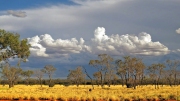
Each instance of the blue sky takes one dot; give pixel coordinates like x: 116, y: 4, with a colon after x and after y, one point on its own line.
x: 67, y: 34
x: 25, y: 4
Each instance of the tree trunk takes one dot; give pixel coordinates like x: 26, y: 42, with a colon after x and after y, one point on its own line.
x: 175, y: 77
x: 154, y: 83
x: 122, y: 82
x: 101, y: 81
x: 158, y: 82
x: 50, y: 80
x: 170, y: 83
x: 40, y: 82
x: 109, y: 83
x: 134, y: 84
x: 50, y: 83
x: 90, y: 78
x: 77, y: 84
x: 97, y: 83
x: 10, y: 84
x: 27, y: 82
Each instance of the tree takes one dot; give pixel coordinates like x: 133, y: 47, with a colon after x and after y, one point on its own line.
x: 131, y: 70
x: 10, y: 73
x: 121, y: 71
x: 49, y: 69
x: 12, y: 46
x: 155, y: 72
x: 39, y: 74
x: 97, y: 77
x: 115, y: 79
x: 27, y: 74
x: 76, y: 76
x: 172, y: 73
x: 104, y: 67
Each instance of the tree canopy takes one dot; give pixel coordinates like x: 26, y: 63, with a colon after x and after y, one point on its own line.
x: 12, y: 46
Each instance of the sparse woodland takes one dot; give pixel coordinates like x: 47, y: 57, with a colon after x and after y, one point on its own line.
x: 122, y: 79
x: 129, y: 71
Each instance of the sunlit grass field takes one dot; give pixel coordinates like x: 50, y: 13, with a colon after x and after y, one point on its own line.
x: 82, y: 93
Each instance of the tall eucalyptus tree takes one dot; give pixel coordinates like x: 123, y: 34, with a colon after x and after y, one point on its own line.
x: 131, y: 70
x: 104, y: 68
x: 155, y: 72
x: 12, y: 47
x: 49, y: 69
x: 76, y: 76
x: 172, y: 73
x: 39, y: 74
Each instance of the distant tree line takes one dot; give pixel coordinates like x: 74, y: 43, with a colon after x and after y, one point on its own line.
x: 129, y: 71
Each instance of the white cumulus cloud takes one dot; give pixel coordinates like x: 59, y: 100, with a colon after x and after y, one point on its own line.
x: 178, y: 31
x: 36, y: 48
x: 126, y: 44
x: 99, y: 35
x: 45, y: 46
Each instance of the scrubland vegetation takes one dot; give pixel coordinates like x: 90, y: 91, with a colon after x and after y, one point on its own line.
x: 86, y: 93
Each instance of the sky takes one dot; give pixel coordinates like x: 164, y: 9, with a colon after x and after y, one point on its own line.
x: 69, y: 33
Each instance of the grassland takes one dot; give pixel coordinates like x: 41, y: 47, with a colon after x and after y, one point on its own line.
x: 82, y: 93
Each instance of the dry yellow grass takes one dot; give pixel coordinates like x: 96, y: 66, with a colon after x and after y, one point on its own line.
x: 118, y: 93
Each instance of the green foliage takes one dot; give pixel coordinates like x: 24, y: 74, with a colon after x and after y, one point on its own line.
x: 12, y: 46
x: 27, y: 74
x: 49, y: 69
